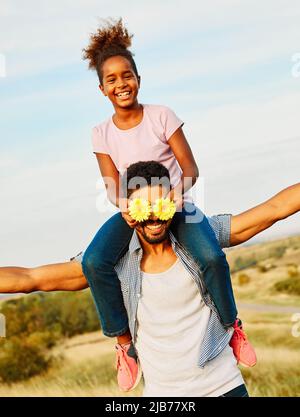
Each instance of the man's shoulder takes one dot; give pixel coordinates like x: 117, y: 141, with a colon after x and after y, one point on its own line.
x: 221, y: 225
x: 129, y: 261
x: 123, y: 262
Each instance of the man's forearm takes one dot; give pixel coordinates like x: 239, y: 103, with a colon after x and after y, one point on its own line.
x: 287, y: 201
x: 15, y: 280
x: 253, y: 221
x: 66, y: 276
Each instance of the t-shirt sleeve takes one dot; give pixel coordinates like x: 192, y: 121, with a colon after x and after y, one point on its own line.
x: 98, y: 142
x: 78, y: 258
x: 171, y: 122
x: 221, y: 225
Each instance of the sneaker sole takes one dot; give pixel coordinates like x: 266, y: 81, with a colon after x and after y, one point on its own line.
x: 138, y: 378
x: 246, y: 366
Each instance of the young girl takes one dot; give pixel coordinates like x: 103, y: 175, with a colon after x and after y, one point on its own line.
x: 142, y: 132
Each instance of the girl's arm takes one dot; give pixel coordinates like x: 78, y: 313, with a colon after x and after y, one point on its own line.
x: 255, y: 220
x: 111, y: 178
x: 186, y: 160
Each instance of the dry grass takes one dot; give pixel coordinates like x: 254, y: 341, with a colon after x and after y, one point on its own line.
x: 88, y: 366
x: 277, y: 373
x: 86, y: 371
x: 260, y: 287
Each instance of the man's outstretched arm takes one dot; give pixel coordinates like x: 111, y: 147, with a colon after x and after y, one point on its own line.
x: 65, y: 276
x: 253, y: 221
x: 68, y: 276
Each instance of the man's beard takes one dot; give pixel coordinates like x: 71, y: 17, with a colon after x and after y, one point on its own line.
x: 154, y: 239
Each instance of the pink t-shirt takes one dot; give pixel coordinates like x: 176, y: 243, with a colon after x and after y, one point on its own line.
x: 145, y: 142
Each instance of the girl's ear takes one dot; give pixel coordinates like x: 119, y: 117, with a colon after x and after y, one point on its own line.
x: 101, y: 88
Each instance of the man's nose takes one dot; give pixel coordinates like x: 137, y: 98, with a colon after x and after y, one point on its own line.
x: 153, y: 217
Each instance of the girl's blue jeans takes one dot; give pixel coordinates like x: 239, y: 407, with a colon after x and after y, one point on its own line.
x: 111, y: 243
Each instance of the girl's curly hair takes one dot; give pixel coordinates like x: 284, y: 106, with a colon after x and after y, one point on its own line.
x: 110, y: 40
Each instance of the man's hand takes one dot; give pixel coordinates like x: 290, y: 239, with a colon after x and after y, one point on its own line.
x: 67, y: 276
x: 176, y: 195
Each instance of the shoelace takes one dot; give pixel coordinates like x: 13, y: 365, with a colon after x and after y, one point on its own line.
x: 122, y: 361
x: 238, y: 332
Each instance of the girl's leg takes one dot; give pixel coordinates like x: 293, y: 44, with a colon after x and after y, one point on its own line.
x: 192, y: 230
x: 103, y: 253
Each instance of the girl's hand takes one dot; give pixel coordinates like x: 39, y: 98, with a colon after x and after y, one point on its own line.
x: 177, y: 197
x: 125, y: 213
x: 129, y: 220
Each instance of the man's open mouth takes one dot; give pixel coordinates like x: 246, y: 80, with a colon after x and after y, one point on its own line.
x: 154, y: 226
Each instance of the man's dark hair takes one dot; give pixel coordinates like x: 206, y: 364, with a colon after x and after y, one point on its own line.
x: 151, y: 172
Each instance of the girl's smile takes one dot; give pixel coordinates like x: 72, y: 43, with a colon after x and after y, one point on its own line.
x: 120, y: 83
x: 125, y: 95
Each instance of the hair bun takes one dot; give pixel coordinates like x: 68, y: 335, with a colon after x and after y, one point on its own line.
x: 113, y: 35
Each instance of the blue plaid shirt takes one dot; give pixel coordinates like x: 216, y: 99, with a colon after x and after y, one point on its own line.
x: 129, y: 272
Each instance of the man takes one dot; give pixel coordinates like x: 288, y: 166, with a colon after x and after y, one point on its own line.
x: 181, y: 344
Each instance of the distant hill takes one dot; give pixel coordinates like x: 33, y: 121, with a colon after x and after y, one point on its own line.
x: 54, y: 347
x: 265, y: 263
x: 267, y: 272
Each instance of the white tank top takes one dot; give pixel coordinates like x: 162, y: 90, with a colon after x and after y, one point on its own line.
x: 172, y: 320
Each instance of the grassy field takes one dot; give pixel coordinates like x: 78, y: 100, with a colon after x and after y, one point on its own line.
x: 88, y: 367
x: 258, y: 268
x: 85, y: 363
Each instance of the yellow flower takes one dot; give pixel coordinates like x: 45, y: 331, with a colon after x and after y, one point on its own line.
x: 164, y: 208
x: 139, y: 209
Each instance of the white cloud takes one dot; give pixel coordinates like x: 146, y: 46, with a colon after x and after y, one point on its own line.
x: 42, y: 35
x: 48, y: 210
x: 7, y: 162
x: 238, y: 125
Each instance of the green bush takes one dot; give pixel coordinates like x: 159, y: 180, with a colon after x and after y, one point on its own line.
x: 293, y: 270
x: 277, y: 252
x: 60, y: 314
x: 244, y: 263
x: 243, y: 279
x: 265, y: 267
x: 35, y: 323
x: 20, y: 361
x: 290, y: 285
x: 262, y: 268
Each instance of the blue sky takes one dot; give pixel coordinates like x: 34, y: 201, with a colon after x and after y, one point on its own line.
x: 225, y: 68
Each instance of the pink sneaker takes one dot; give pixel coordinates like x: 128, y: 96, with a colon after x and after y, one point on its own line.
x: 128, y: 367
x: 242, y: 349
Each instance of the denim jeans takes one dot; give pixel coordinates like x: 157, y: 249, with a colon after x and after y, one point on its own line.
x: 240, y: 391
x: 111, y: 243
x: 192, y: 229
x: 107, y: 247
